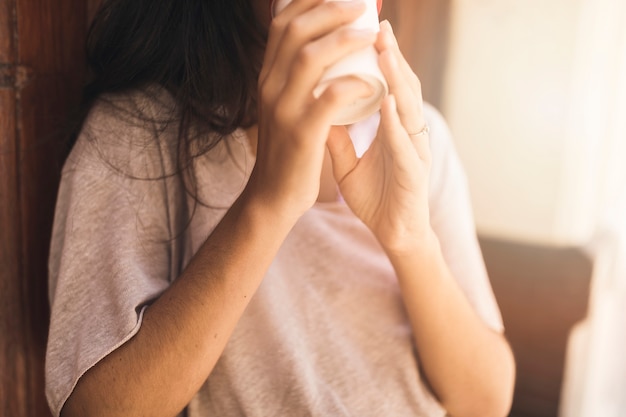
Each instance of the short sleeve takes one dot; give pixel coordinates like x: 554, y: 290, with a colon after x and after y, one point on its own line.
x: 453, y: 222
x: 114, y: 246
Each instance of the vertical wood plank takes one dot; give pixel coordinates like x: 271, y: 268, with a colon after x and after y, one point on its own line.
x: 12, y: 341
x: 41, y: 71
x: 50, y: 52
x: 7, y: 51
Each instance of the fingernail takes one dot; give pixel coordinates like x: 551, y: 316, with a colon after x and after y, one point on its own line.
x: 385, y: 24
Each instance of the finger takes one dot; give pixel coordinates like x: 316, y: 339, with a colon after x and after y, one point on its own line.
x: 409, y: 106
x: 396, y: 136
x: 403, y: 84
x: 277, y: 27
x: 342, y: 152
x: 393, y: 132
x: 387, y: 41
x: 322, y: 110
x: 316, y: 57
x: 292, y: 29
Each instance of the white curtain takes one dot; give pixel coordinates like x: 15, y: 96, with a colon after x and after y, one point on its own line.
x: 595, y: 380
x: 535, y: 94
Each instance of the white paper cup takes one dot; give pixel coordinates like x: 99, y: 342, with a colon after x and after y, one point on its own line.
x: 362, y: 64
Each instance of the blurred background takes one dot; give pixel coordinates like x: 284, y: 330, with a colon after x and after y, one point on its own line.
x: 535, y: 95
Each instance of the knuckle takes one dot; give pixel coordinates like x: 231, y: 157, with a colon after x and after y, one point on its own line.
x: 306, y: 56
x: 294, y: 28
x: 278, y: 24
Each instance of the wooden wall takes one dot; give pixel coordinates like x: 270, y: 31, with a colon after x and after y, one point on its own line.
x: 41, y: 67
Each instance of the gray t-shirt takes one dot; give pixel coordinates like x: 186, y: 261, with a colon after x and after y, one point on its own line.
x: 325, y: 334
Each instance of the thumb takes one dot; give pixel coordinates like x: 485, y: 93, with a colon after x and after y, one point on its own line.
x: 341, y: 152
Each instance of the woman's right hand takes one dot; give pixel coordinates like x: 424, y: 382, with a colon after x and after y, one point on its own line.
x: 305, y: 39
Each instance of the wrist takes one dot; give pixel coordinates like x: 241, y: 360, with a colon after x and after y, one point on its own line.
x: 285, y: 200
x: 265, y: 210
x: 423, y: 245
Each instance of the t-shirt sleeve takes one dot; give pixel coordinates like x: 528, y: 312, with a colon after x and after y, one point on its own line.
x: 453, y: 222
x: 113, y: 248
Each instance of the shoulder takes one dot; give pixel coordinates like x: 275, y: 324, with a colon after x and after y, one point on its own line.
x: 121, y: 176
x: 131, y: 134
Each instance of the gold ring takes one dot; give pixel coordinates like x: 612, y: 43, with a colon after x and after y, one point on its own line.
x: 425, y: 130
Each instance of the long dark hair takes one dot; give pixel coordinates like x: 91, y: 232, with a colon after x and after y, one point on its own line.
x: 206, y: 53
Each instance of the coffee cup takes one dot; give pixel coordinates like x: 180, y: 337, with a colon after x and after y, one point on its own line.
x: 362, y: 64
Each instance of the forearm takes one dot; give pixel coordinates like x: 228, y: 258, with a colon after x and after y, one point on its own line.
x: 469, y: 366
x: 184, y: 332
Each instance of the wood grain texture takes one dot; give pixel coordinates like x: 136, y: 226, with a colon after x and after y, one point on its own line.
x: 7, y: 50
x: 12, y: 341
x: 41, y: 71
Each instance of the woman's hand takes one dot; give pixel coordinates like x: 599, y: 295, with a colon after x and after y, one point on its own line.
x: 387, y: 188
x: 304, y: 39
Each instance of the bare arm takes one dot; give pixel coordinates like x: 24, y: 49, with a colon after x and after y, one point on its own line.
x: 185, y: 330
x: 469, y: 366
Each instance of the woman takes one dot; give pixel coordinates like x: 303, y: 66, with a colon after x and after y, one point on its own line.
x: 220, y: 249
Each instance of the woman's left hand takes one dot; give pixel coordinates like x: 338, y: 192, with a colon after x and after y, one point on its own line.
x: 387, y: 188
